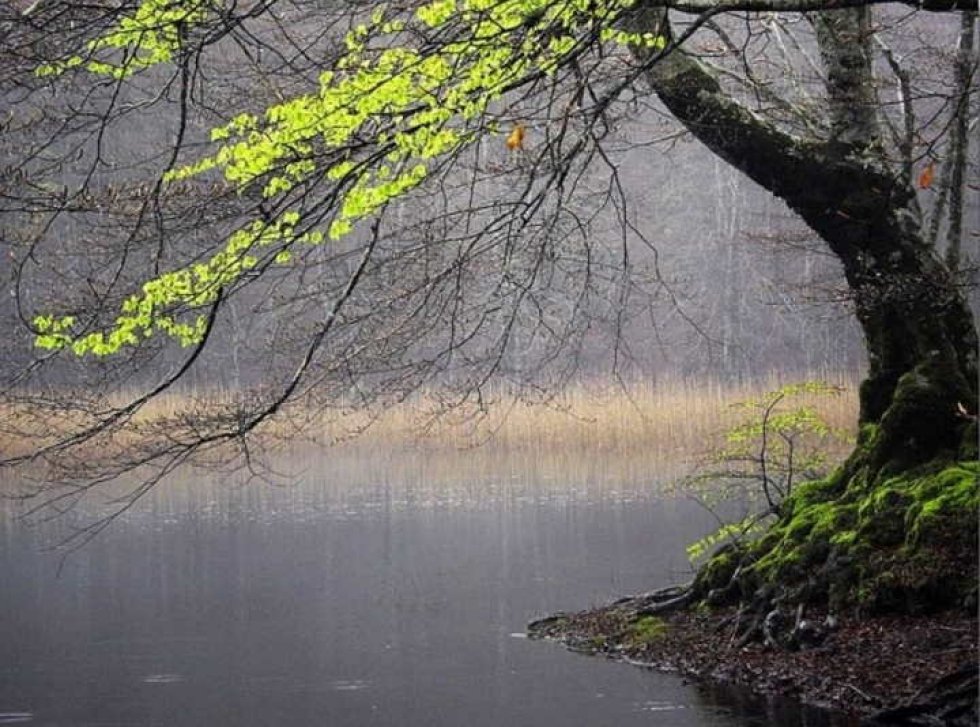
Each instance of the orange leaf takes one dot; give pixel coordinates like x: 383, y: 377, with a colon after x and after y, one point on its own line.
x: 925, y: 179
x: 516, y: 138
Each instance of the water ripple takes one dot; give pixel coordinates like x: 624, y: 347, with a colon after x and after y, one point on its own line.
x: 15, y: 717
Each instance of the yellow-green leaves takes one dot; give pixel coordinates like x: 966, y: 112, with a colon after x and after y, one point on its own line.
x: 375, y: 127
x: 53, y: 333
x: 644, y: 40
x: 170, y: 303
x: 731, y: 532
x: 436, y: 13
x: 783, y: 438
x: 151, y: 35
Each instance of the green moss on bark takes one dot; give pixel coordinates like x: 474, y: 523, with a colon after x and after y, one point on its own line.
x: 905, y: 543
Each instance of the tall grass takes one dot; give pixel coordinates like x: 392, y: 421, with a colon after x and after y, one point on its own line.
x: 669, y: 419
x: 585, y: 431
x: 600, y: 431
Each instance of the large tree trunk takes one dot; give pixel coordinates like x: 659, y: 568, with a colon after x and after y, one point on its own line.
x: 921, y: 388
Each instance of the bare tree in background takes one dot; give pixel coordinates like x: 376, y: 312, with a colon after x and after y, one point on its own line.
x: 519, y: 246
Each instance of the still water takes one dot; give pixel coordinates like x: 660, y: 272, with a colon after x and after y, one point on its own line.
x: 338, y: 600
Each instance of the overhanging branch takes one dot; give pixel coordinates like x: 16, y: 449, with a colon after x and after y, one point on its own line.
x: 809, y: 6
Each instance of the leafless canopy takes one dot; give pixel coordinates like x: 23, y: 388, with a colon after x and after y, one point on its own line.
x: 508, y: 265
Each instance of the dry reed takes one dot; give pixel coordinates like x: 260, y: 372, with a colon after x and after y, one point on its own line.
x: 671, y: 419
x: 586, y: 432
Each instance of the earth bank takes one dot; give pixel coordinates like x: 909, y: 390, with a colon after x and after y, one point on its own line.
x: 889, y: 667
x: 862, y: 597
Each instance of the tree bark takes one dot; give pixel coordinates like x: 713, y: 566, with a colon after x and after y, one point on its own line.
x: 960, y: 139
x: 922, y: 343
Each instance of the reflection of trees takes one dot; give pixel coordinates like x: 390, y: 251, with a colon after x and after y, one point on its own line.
x: 527, y: 265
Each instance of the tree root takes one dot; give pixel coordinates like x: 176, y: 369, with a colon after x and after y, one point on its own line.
x: 949, y: 702
x: 659, y: 602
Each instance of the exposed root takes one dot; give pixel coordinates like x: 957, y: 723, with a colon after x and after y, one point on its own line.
x: 949, y: 702
x: 659, y: 602
x: 862, y: 666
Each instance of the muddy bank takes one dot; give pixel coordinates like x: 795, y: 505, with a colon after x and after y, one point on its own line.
x: 889, y: 668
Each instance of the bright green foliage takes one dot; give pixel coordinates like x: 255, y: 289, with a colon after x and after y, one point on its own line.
x: 730, y: 532
x: 782, y: 441
x: 765, y: 415
x: 382, y: 116
x: 150, y: 36
x: 193, y: 287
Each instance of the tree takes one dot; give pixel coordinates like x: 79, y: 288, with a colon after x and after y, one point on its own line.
x: 778, y: 443
x: 914, y: 320
x: 399, y: 191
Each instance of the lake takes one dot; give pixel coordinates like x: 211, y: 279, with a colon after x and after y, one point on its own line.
x: 348, y: 595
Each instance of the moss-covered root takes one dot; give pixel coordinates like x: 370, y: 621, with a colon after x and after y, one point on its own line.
x: 618, y: 630
x: 907, y: 543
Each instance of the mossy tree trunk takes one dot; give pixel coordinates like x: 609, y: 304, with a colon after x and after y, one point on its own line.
x: 921, y: 389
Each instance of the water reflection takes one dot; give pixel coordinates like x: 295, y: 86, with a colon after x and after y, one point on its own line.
x: 382, y: 600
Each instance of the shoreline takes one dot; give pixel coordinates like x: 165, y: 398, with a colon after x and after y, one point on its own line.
x: 871, y: 670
